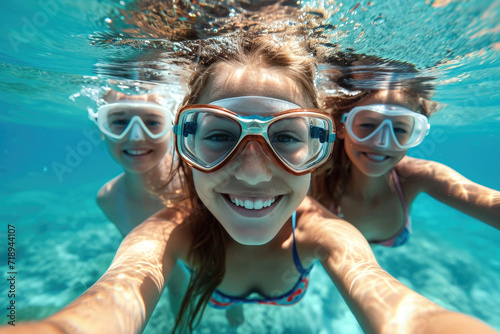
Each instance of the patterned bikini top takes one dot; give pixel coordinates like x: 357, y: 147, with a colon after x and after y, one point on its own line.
x: 220, y: 300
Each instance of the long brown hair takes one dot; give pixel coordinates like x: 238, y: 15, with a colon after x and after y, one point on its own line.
x: 349, y: 79
x: 207, y: 252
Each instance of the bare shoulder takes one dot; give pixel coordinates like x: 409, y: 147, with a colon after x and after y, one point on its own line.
x: 108, y: 193
x: 322, y: 233
x: 422, y: 175
x: 430, y: 176
x: 107, y: 199
x: 410, y: 167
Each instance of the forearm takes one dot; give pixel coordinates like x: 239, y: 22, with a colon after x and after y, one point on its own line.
x: 448, y: 322
x: 382, y: 304
x: 120, y: 302
x: 117, y: 303
x: 482, y: 205
x: 450, y: 187
x: 124, y: 297
x: 44, y: 327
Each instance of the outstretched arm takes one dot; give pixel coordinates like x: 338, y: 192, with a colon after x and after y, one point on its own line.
x: 380, y: 303
x: 124, y: 298
x: 450, y: 187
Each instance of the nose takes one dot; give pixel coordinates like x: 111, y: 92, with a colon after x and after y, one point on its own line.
x: 252, y: 164
x: 136, y: 133
x: 383, y: 137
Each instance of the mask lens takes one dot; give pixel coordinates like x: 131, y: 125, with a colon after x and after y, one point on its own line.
x: 300, y: 141
x: 403, y: 127
x: 207, y: 137
x: 367, y: 122
x: 154, y: 120
x: 115, y: 120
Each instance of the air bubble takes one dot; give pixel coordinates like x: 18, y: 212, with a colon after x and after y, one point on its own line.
x: 378, y: 20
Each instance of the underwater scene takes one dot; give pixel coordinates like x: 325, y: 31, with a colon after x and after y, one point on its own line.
x: 56, y: 55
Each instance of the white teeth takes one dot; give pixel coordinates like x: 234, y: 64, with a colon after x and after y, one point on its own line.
x: 376, y: 157
x: 137, y: 152
x: 252, y: 205
x: 268, y: 203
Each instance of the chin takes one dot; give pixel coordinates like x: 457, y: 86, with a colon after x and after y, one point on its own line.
x: 249, y: 241
x: 137, y: 169
x: 376, y: 173
x: 252, y: 237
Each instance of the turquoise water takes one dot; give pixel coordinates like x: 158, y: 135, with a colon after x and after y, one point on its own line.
x: 52, y: 163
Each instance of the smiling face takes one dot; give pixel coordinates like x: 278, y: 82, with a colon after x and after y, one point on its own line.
x: 136, y: 152
x: 251, y: 196
x: 378, y: 160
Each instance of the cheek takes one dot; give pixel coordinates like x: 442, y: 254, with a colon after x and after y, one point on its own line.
x: 205, y: 184
x: 305, y: 182
x: 201, y: 185
x: 300, y: 186
x: 162, y: 148
x: 400, y: 155
x: 113, y: 148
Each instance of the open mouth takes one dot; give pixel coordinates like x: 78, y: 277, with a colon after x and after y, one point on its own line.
x: 376, y: 157
x: 252, y: 206
x: 252, y: 203
x: 137, y: 152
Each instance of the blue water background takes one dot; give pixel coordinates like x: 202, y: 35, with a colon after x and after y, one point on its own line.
x: 64, y: 243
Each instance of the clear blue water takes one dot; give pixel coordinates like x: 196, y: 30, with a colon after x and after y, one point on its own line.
x: 64, y: 243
